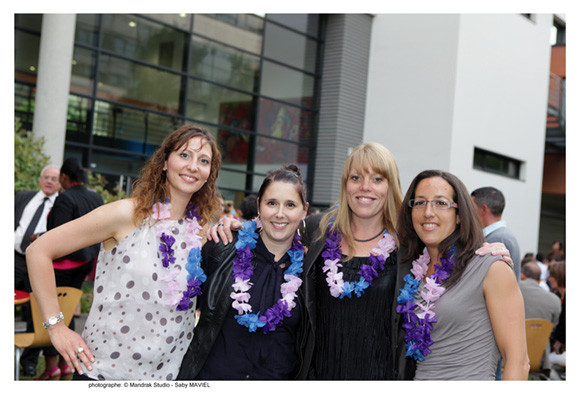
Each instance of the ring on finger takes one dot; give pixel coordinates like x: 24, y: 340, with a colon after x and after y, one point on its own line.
x: 220, y: 225
x: 80, y: 350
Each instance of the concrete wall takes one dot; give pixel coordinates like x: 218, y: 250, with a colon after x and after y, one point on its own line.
x: 441, y: 85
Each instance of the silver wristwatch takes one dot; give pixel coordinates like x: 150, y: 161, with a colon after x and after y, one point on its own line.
x: 53, y: 320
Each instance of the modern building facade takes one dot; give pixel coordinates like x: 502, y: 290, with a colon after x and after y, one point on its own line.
x: 464, y: 93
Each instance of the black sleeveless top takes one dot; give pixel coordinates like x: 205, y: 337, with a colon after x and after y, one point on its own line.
x: 353, y: 334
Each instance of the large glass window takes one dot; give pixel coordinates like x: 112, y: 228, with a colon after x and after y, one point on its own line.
x: 26, y: 47
x: 223, y: 64
x: 305, y: 23
x: 78, y: 119
x: 83, y: 71
x: 286, y: 84
x: 141, y: 39
x: 87, y: 29
x: 298, y: 51
x: 23, y: 106
x: 239, y: 30
x: 214, y: 104
x: 249, y: 79
x: 284, y: 121
x: 136, y: 84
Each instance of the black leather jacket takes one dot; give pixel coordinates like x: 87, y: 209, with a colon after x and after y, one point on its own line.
x: 215, y: 303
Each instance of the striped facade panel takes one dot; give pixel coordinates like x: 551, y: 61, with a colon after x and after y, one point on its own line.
x: 343, y: 93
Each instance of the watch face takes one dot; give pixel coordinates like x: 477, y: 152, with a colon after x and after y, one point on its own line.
x: 53, y: 320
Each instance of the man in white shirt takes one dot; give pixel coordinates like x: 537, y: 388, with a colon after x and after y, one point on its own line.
x: 31, y: 210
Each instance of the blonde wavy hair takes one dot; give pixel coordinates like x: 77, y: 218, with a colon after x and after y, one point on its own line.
x: 382, y: 161
x: 152, y: 185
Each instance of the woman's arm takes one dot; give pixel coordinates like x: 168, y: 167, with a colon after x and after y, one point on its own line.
x: 106, y: 223
x: 505, y: 306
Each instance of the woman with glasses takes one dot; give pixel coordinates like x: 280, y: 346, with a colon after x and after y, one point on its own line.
x: 459, y: 311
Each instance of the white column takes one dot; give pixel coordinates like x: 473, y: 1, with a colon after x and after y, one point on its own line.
x: 53, y: 82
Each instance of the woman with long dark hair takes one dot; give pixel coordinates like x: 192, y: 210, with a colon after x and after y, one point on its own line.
x: 458, y: 311
x: 252, y: 316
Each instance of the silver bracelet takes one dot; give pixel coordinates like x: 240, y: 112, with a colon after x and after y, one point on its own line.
x: 53, y: 320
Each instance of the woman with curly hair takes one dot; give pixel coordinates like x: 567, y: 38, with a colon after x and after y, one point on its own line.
x: 148, y: 272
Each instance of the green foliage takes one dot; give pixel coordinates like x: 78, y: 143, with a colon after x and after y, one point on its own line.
x: 29, y: 160
x: 99, y: 184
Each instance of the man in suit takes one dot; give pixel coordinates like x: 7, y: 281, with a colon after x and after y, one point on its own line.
x: 31, y: 210
x: 539, y: 303
x: 490, y: 204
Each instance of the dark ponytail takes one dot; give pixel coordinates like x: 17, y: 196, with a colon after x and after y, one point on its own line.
x: 74, y: 170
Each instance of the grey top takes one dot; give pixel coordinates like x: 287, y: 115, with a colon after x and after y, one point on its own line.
x: 464, y: 347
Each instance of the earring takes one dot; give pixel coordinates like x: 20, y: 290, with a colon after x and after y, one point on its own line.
x: 303, y: 228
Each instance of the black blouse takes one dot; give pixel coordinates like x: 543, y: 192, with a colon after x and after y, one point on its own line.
x: 239, y: 354
x: 352, y: 334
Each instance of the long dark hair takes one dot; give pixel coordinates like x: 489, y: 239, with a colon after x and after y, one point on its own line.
x: 152, y: 186
x: 467, y: 237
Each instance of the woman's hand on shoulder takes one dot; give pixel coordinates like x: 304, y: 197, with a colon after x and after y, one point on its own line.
x: 495, y: 249
x: 223, y: 230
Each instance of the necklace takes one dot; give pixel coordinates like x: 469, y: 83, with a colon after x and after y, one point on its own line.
x: 420, y: 317
x: 196, y: 276
x: 333, y: 254
x: 370, y: 239
x: 243, y: 271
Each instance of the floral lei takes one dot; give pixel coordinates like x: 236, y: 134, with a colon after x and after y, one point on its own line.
x: 418, y: 326
x: 368, y: 272
x: 243, y: 271
x: 195, y: 276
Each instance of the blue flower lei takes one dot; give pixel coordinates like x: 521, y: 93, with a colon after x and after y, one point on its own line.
x: 418, y: 327
x: 243, y: 271
x: 196, y: 275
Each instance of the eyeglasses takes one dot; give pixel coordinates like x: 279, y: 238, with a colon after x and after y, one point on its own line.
x: 441, y: 203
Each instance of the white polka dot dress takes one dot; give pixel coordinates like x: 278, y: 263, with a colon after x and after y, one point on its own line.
x: 132, y: 331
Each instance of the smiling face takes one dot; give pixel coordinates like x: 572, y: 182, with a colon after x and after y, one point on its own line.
x: 281, y: 210
x: 366, y: 193
x: 188, y: 167
x: 434, y: 225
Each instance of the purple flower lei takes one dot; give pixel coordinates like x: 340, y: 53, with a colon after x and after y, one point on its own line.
x: 243, y: 271
x: 332, y: 255
x: 420, y: 317
x: 195, y: 276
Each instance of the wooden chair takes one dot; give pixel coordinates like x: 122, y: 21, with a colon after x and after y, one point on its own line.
x: 68, y: 299
x: 537, y: 335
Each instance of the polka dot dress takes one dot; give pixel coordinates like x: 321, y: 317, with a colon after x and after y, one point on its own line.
x: 130, y: 329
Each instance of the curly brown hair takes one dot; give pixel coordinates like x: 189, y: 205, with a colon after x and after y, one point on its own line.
x: 152, y: 185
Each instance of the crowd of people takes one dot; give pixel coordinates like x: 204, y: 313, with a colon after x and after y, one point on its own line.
x: 381, y: 286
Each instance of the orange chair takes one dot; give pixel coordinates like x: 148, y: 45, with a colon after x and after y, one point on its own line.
x: 537, y: 335
x: 68, y: 299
